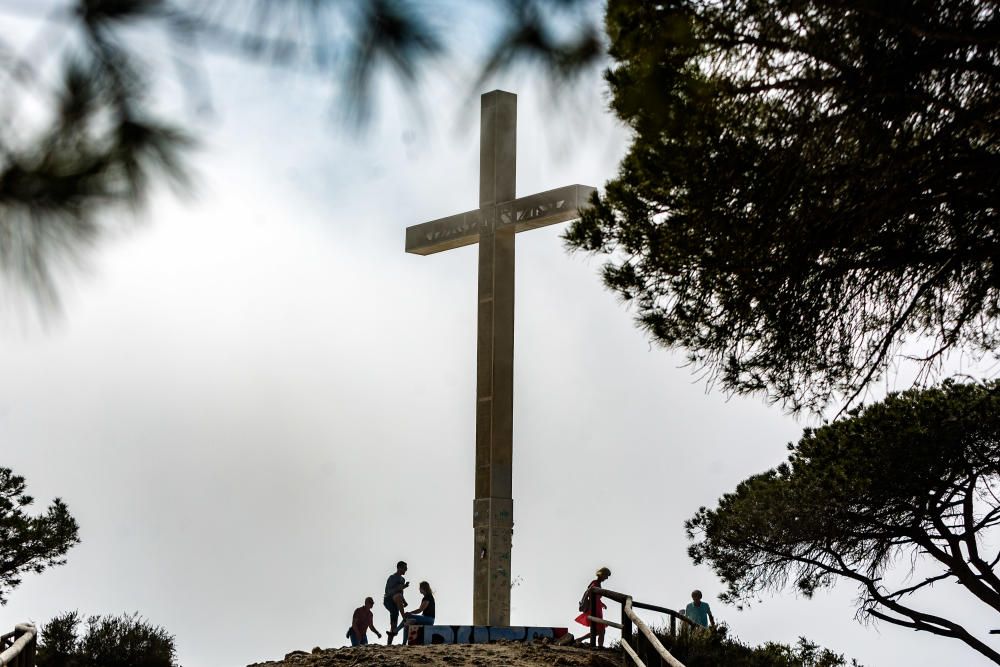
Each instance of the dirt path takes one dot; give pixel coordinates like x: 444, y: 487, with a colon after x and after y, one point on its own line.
x: 499, y: 654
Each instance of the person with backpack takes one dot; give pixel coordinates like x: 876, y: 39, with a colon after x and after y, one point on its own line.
x: 592, y: 601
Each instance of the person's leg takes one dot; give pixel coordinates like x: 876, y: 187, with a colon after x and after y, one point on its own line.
x: 415, y: 619
x: 390, y: 606
x: 598, y: 629
x: 394, y: 619
x: 420, y: 619
x: 353, y: 636
x: 407, y: 622
x: 400, y: 603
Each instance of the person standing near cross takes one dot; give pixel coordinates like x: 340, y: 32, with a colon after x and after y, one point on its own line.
x: 361, y: 623
x: 393, y: 600
x: 493, y: 225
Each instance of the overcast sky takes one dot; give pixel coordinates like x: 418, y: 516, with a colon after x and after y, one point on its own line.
x: 255, y: 403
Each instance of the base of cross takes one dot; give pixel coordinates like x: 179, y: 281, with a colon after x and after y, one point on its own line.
x: 479, y: 634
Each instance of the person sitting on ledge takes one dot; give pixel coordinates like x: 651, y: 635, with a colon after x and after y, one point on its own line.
x: 424, y: 615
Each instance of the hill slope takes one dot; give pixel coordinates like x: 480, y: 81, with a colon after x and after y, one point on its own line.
x: 500, y: 654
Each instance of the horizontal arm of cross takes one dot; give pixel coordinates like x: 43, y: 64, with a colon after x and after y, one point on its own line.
x: 531, y: 212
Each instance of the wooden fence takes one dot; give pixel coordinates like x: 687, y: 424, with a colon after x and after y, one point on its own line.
x: 644, y: 649
x: 17, y: 648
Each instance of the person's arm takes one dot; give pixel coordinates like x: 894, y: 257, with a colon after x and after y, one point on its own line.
x: 397, y: 589
x: 711, y: 619
x: 371, y: 626
x: 420, y: 609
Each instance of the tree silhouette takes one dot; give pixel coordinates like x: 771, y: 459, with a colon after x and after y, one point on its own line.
x: 29, y: 543
x: 913, y: 480
x: 811, y: 184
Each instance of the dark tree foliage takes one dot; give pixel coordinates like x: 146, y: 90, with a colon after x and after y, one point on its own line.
x: 811, y: 183
x: 97, y: 147
x: 717, y: 648
x: 108, y: 641
x: 29, y: 543
x: 58, y: 641
x: 913, y: 480
x: 82, y: 146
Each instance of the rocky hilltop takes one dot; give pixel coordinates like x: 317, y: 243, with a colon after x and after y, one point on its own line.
x: 499, y: 654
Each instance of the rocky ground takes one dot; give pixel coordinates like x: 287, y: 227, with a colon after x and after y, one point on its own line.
x: 499, y: 654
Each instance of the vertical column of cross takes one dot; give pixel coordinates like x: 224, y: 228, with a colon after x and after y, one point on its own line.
x: 493, y: 508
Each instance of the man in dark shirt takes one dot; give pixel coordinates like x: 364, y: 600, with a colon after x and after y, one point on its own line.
x: 393, y: 601
x: 361, y: 623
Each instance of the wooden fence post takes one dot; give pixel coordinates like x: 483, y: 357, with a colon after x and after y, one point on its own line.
x: 626, y: 625
x: 19, y: 660
x: 646, y: 649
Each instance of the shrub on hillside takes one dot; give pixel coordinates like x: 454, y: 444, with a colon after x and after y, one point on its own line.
x: 713, y: 648
x: 107, y: 641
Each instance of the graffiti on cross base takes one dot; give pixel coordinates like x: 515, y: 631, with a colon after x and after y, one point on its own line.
x: 478, y: 634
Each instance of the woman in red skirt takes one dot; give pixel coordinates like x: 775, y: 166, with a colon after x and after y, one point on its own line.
x: 598, y: 607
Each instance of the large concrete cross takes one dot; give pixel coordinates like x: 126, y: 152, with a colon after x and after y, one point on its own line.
x: 493, y: 226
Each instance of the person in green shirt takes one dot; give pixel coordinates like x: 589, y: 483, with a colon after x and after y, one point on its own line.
x: 699, y: 611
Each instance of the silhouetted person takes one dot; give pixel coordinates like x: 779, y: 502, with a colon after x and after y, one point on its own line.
x: 699, y: 611
x: 393, y: 600
x: 362, y: 622
x: 598, y: 607
x: 424, y: 615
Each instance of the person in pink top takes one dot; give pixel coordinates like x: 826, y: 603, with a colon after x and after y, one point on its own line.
x: 596, y: 629
x: 362, y: 622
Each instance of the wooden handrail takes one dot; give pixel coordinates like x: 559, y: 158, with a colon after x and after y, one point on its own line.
x: 629, y: 617
x: 21, y: 652
x: 644, y: 629
x: 604, y: 621
x: 611, y: 595
x: 620, y: 598
x: 669, y: 612
x: 632, y: 654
